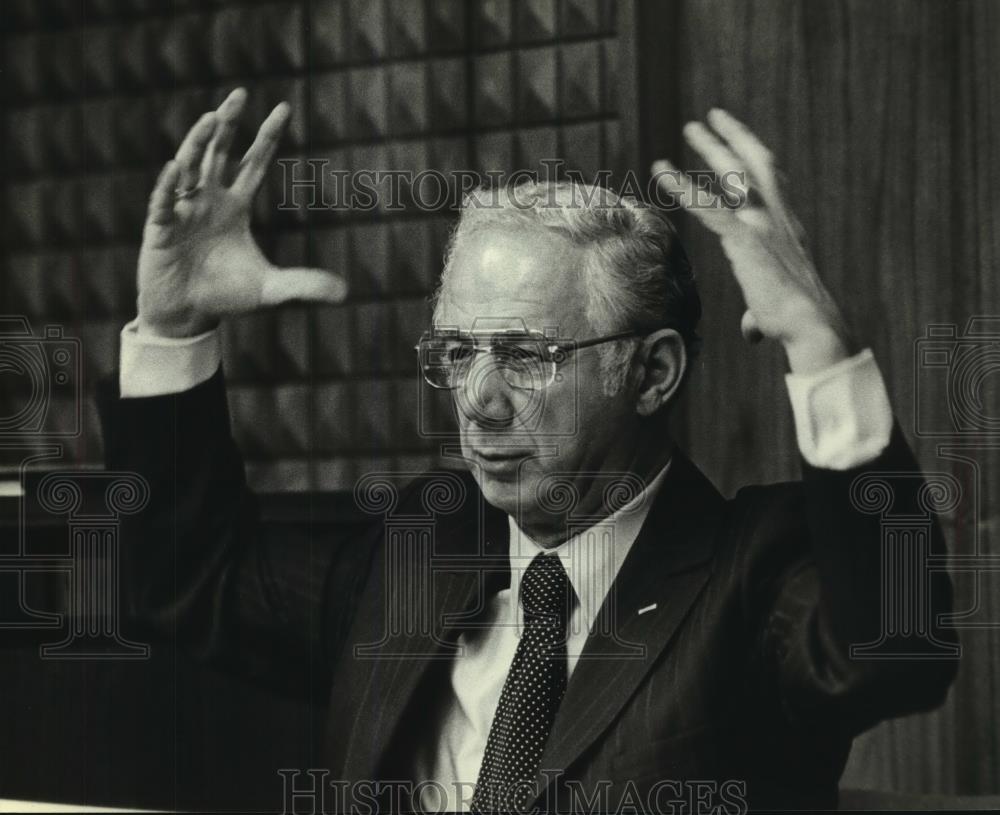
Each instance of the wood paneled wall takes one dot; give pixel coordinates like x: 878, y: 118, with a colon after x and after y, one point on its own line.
x: 885, y: 115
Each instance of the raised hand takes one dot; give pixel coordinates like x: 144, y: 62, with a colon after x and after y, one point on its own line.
x: 199, y: 261
x: 786, y: 300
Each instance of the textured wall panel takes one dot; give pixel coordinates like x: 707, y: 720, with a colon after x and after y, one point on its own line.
x: 98, y: 93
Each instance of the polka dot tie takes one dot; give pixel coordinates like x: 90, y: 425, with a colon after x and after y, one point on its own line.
x: 531, y: 695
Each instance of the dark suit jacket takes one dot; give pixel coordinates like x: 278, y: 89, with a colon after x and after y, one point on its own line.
x: 742, y: 673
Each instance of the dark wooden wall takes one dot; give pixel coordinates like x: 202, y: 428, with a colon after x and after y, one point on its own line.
x: 885, y: 115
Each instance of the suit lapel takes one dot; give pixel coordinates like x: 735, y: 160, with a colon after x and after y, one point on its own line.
x: 668, y: 566
x: 466, y: 544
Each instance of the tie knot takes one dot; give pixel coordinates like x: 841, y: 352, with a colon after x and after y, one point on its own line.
x: 546, y: 593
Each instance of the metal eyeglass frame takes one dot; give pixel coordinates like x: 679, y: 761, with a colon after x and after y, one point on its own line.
x: 497, y: 339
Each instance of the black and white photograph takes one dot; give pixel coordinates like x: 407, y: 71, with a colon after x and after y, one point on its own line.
x: 578, y: 406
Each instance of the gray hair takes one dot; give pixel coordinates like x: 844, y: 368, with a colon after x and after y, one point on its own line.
x: 638, y: 276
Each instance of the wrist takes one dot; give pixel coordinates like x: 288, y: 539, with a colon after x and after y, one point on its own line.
x: 175, y: 329
x: 817, y: 350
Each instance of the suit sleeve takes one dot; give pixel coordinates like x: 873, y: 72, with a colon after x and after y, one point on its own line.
x: 269, y: 604
x: 847, y: 613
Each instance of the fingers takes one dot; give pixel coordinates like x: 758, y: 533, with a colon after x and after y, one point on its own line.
x: 694, y: 199
x: 163, y: 198
x: 757, y: 218
x: 310, y: 285
x: 192, y: 149
x: 723, y: 162
x: 258, y: 158
x: 751, y: 151
x: 213, y: 165
x: 756, y: 158
x: 740, y: 151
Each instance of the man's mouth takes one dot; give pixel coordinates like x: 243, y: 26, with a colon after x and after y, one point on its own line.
x: 500, y: 454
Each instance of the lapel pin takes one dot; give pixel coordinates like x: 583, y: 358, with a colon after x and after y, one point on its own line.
x: 650, y: 607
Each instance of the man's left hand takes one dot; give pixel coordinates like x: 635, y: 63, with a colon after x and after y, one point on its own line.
x: 785, y: 298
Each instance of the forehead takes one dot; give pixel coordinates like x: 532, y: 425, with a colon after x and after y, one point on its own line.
x: 503, y: 277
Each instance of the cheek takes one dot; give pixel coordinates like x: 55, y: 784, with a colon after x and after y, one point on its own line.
x: 561, y: 413
x: 581, y: 414
x: 583, y: 387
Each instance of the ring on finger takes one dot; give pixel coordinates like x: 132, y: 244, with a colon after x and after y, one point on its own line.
x: 188, y: 192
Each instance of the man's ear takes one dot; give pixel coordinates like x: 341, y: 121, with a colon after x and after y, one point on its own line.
x: 663, y: 356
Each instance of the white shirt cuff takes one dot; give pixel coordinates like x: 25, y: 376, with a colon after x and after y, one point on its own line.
x: 156, y: 366
x: 842, y: 414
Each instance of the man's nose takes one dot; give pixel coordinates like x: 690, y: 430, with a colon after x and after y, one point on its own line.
x: 485, y: 397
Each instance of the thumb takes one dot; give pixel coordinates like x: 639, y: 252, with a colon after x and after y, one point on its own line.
x: 751, y: 331
x: 297, y: 283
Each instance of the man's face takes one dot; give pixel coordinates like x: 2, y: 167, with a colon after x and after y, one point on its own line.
x: 513, y: 438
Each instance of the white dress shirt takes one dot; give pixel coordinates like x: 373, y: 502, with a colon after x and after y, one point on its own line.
x: 842, y: 420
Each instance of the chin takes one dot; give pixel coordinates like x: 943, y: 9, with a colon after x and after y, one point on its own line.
x: 508, y: 494
x: 500, y: 492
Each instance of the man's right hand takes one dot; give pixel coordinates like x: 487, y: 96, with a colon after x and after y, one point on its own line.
x: 199, y: 261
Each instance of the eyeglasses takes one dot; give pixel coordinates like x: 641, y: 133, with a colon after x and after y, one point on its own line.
x: 527, y: 360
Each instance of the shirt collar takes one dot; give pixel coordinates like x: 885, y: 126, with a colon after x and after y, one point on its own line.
x: 593, y: 557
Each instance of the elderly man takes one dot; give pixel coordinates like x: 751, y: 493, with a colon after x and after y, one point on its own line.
x: 675, y: 649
